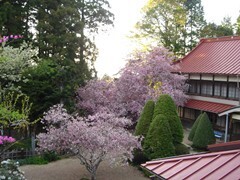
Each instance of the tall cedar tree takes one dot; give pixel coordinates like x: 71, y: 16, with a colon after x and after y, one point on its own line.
x: 16, y: 19
x: 166, y: 106
x: 194, y: 127
x: 204, y: 134
x: 158, y: 142
x: 62, y: 28
x: 195, y: 23
x: 65, y: 30
x: 145, y: 119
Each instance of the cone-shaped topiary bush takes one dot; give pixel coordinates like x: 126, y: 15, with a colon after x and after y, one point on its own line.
x: 166, y: 106
x: 181, y: 149
x: 158, y: 142
x: 145, y: 119
x: 204, y: 134
x: 194, y: 127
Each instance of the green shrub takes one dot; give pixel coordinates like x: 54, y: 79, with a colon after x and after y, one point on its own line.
x: 166, y: 106
x: 194, y: 127
x: 158, y: 142
x: 22, y: 144
x: 33, y: 160
x: 51, y: 156
x: 145, y: 119
x: 181, y: 149
x: 139, y: 157
x: 204, y: 134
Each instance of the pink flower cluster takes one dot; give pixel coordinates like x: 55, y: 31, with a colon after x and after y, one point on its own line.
x: 6, y: 139
x: 6, y: 38
x: 146, y: 76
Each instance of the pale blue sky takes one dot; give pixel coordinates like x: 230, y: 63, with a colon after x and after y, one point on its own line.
x: 114, y: 46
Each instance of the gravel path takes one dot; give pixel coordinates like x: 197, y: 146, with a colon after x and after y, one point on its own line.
x: 70, y: 169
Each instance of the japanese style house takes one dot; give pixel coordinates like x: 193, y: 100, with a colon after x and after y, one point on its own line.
x: 212, y: 70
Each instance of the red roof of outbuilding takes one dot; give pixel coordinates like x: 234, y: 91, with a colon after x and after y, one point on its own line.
x: 207, y: 106
x: 218, y: 165
x: 213, y: 56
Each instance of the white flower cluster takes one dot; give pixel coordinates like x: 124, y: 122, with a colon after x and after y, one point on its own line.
x: 9, y: 170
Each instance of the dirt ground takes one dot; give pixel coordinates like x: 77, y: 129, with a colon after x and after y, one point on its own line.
x: 70, y: 169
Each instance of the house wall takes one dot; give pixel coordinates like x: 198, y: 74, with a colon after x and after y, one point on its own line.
x: 214, y: 88
x: 217, y: 89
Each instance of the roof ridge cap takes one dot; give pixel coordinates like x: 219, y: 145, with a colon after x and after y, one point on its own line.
x: 218, y: 39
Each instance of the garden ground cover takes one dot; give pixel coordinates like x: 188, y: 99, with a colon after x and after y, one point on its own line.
x: 70, y: 169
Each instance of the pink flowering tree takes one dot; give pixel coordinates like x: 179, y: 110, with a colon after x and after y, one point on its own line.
x: 5, y: 143
x: 146, y: 76
x: 92, y: 139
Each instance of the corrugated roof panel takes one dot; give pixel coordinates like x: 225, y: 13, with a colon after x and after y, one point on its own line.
x: 217, y: 165
x: 227, y: 166
x: 233, y: 175
x: 215, y: 56
x: 207, y: 106
x: 213, y: 166
x: 165, y: 167
x: 186, y: 174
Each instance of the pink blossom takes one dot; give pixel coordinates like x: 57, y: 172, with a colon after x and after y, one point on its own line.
x: 6, y: 38
x: 92, y: 139
x: 145, y: 76
x: 6, y: 139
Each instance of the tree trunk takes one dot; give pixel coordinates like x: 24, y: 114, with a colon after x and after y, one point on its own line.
x: 93, y: 175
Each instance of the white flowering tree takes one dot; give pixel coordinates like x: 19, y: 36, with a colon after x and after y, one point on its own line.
x: 13, y: 61
x: 92, y: 139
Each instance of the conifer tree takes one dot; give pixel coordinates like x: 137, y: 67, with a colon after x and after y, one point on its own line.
x: 204, y: 134
x: 158, y: 142
x: 194, y: 127
x: 145, y: 119
x: 166, y: 106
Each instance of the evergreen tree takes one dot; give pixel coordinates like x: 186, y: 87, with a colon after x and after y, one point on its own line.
x: 194, y: 24
x: 145, y: 119
x: 158, y: 142
x: 65, y: 30
x: 43, y: 86
x: 16, y: 18
x: 204, y: 134
x: 214, y: 30
x: 166, y: 106
x: 194, y: 127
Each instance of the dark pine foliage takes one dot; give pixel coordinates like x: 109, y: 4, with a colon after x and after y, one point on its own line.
x: 145, y: 119
x: 204, y: 134
x: 158, y: 142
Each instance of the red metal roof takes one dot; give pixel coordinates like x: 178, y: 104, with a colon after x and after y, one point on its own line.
x: 207, y: 106
x: 217, y: 165
x: 213, y: 56
x: 224, y: 146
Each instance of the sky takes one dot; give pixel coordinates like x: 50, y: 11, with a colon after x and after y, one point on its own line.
x: 114, y: 45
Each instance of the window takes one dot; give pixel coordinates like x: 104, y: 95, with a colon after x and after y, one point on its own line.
x: 221, y: 122
x: 206, y: 88
x: 189, y: 113
x: 224, y: 90
x: 194, y: 87
x: 233, y: 91
x: 217, y: 89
